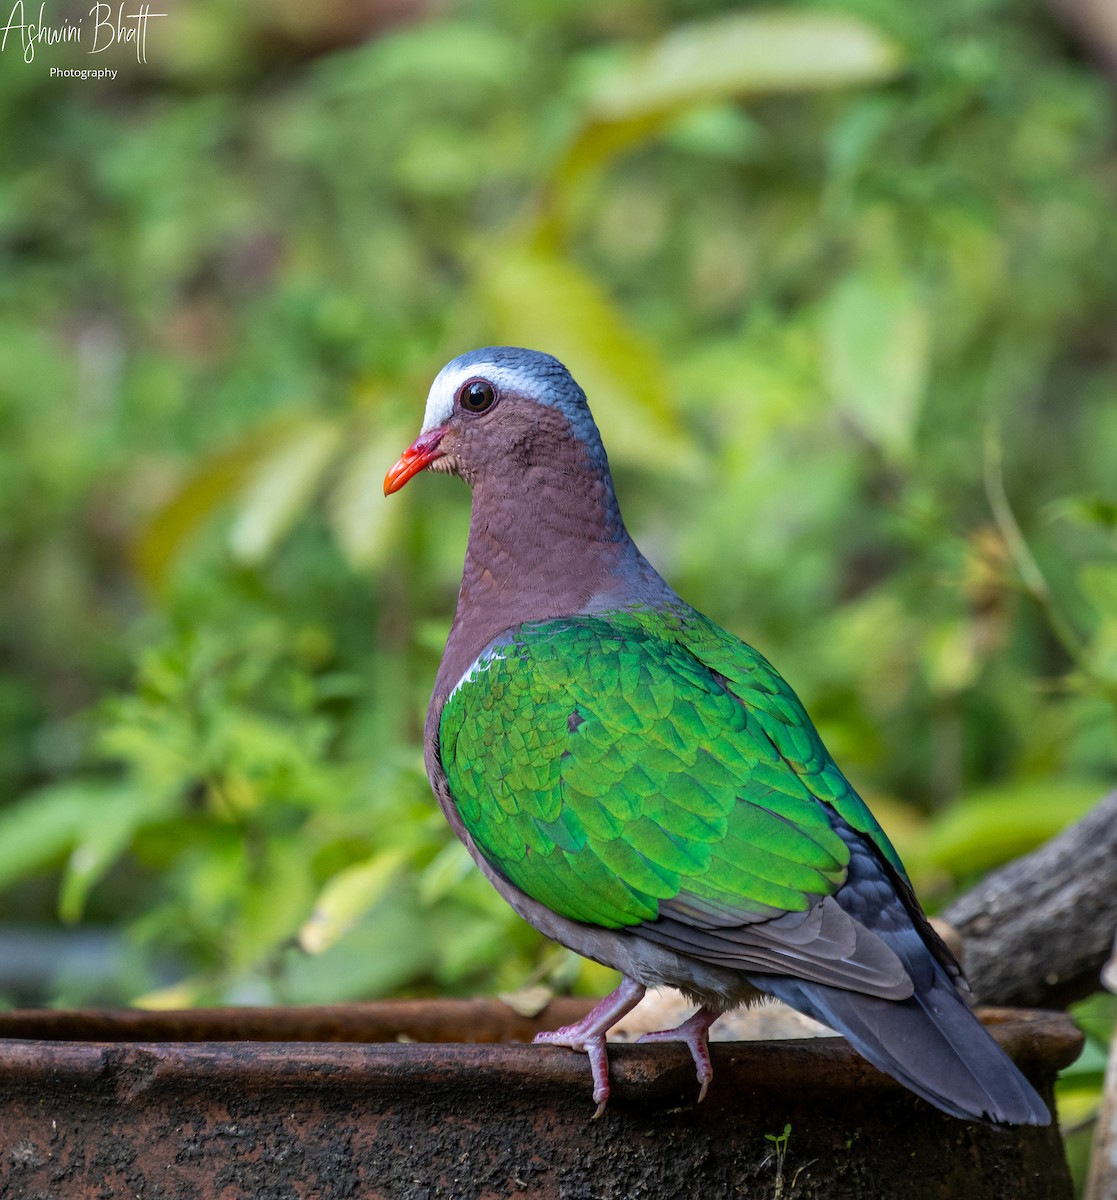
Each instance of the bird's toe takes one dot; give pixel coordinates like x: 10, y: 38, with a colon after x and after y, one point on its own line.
x: 693, y: 1034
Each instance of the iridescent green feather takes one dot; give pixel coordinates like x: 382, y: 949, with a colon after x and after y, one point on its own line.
x: 605, y: 764
x: 778, y: 712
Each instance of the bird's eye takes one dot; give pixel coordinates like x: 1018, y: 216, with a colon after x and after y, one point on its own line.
x: 477, y: 397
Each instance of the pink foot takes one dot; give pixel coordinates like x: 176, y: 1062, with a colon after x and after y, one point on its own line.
x: 588, y: 1035
x: 693, y: 1033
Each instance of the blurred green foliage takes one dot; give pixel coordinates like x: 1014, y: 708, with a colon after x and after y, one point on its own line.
x: 840, y: 282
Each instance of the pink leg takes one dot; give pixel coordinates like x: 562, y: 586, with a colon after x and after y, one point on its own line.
x: 588, y: 1034
x: 693, y: 1032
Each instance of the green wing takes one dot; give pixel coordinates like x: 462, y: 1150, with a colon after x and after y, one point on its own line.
x: 639, y: 763
x: 778, y: 713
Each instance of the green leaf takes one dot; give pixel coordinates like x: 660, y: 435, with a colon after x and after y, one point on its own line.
x: 276, y: 898
x: 950, y: 656
x: 347, y: 897
x: 102, y: 837
x: 855, y: 133
x: 875, y: 347
x: 428, y: 55
x: 281, y: 485
x: 445, y: 871
x: 735, y: 55
x: 92, y: 822
x: 534, y: 297
x: 385, y: 953
x: 1098, y: 511
x: 1098, y: 582
x: 44, y: 826
x: 995, y: 825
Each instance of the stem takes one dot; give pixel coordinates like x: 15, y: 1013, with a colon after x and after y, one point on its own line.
x: 1033, y: 579
x: 1031, y: 576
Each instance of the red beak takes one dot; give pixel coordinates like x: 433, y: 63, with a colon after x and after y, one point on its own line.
x: 421, y: 453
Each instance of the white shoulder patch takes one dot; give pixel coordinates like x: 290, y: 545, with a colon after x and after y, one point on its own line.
x: 483, y: 661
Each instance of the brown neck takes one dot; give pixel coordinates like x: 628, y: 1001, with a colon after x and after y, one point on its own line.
x: 545, y: 540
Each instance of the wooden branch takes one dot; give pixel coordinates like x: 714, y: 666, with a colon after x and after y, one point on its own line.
x: 1094, y: 24
x: 1101, y: 1184
x: 1037, y: 932
x: 1109, y: 973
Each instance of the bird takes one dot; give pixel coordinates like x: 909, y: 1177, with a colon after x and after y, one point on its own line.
x: 644, y: 787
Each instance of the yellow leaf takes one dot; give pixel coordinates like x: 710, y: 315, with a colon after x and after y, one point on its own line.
x: 733, y: 55
x: 528, y: 1001
x: 536, y: 298
x: 184, y: 994
x: 747, y: 53
x: 208, y: 486
x: 281, y: 484
x: 347, y: 897
x: 361, y: 520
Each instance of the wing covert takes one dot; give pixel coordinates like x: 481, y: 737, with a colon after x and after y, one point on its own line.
x: 605, y: 772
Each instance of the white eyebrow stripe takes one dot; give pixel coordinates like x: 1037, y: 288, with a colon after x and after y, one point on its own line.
x: 440, y: 399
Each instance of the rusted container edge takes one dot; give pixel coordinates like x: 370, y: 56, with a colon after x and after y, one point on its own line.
x: 138, y: 1114
x: 648, y: 1073
x: 440, y: 1020
x: 1042, y: 1043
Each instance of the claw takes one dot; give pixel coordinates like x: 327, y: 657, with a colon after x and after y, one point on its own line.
x: 693, y: 1033
x: 588, y: 1035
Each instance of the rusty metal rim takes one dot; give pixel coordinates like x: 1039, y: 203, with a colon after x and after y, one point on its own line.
x: 644, y: 1072
x: 424, y: 1020
x: 1041, y: 1042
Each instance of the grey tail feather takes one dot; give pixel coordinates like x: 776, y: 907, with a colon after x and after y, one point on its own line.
x: 931, y: 1043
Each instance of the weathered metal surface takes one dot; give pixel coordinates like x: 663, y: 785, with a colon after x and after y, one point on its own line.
x: 383, y: 1021
x: 104, y: 1105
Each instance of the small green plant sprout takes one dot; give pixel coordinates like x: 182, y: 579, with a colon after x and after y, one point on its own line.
x: 779, y: 1142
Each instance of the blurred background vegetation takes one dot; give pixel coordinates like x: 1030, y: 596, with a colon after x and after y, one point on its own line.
x: 840, y: 280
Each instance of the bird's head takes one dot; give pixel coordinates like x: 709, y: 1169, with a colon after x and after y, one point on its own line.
x: 492, y: 408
